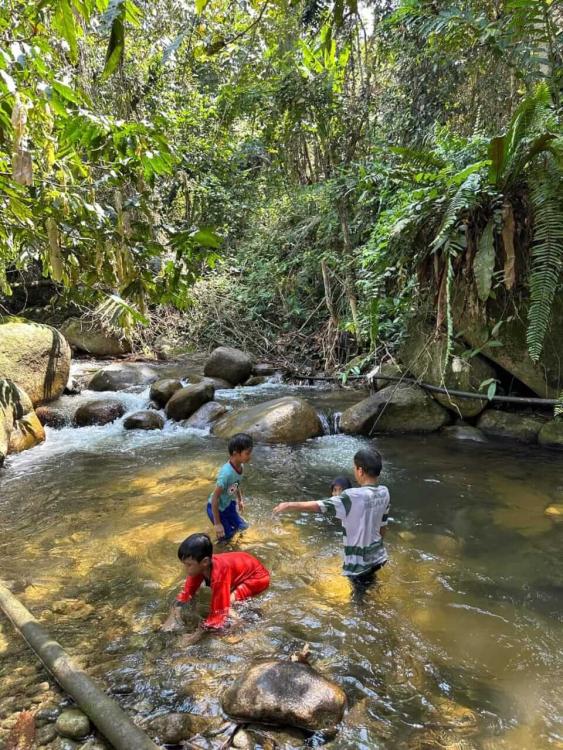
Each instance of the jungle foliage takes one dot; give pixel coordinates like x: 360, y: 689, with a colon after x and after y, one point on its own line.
x: 319, y: 167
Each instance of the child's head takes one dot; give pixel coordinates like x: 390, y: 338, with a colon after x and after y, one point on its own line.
x: 339, y: 484
x: 367, y: 465
x: 196, y: 552
x: 240, y: 447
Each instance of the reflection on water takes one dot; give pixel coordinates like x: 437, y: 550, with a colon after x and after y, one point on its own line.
x: 458, y: 645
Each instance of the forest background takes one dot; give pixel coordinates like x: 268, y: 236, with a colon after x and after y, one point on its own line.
x: 300, y: 178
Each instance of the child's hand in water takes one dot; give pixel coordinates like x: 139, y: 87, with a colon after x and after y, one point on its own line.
x: 282, y: 507
x: 219, y: 530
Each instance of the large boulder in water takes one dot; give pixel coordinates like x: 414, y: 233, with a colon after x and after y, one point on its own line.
x: 120, y: 377
x: 88, y: 337
x: 163, y: 390
x: 144, y: 420
x: 228, y: 364
x: 285, y: 693
x: 206, y: 414
x: 395, y: 409
x: 19, y: 426
x: 188, y: 400
x: 551, y: 434
x: 35, y: 357
x: 98, y: 412
x: 424, y: 355
x: 283, y: 420
x: 504, y: 424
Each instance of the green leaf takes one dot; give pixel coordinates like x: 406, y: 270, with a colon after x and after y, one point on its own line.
x: 64, y: 22
x: 497, y: 151
x: 206, y: 237
x: 200, y: 6
x: 67, y: 93
x: 116, y: 48
x: 484, y: 263
x: 491, y: 390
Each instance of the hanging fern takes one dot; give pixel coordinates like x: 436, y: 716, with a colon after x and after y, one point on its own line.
x: 466, y: 198
x: 547, y: 252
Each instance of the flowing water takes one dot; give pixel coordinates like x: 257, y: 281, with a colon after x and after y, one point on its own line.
x: 459, y: 645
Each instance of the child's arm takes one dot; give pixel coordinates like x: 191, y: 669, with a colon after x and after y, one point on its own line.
x: 309, y: 506
x: 174, y: 620
x: 240, y: 501
x: 218, y: 526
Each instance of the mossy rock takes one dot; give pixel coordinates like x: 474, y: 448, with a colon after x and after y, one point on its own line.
x: 88, y: 337
x: 551, y: 434
x: 20, y: 427
x: 504, y: 424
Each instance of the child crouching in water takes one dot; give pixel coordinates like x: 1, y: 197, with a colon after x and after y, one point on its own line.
x: 363, y: 513
x: 232, y: 576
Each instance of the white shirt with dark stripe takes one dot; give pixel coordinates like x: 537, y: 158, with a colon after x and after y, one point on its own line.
x: 362, y: 511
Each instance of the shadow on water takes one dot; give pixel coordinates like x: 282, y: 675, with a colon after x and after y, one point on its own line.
x: 456, y: 646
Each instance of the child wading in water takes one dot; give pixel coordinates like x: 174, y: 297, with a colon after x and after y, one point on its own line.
x: 363, y: 513
x: 232, y: 576
x: 225, y: 502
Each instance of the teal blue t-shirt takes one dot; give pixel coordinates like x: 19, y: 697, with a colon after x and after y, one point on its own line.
x: 229, y: 480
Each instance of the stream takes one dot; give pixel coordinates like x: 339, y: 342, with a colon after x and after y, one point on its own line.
x: 458, y: 646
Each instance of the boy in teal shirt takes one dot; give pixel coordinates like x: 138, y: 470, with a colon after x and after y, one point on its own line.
x: 225, y: 502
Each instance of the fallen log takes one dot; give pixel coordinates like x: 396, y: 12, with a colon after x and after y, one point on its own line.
x: 104, y: 712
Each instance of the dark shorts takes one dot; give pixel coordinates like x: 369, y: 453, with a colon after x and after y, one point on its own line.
x: 365, y: 579
x: 230, y: 519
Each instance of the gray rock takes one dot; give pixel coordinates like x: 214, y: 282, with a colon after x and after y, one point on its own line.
x: 120, y: 377
x: 50, y: 417
x: 98, y: 412
x: 206, y: 414
x: 171, y: 729
x: 229, y: 364
x: 20, y: 427
x: 144, y: 420
x: 255, y: 380
x: 47, y: 714
x: 218, y: 383
x: 72, y: 723
x: 394, y: 409
x: 163, y: 390
x: 505, y: 424
x: 94, y: 744
x: 88, y: 337
x: 63, y: 743
x: 283, y: 420
x: 424, y: 355
x: 464, y: 432
x: 285, y: 693
x: 264, y: 369
x: 188, y: 400
x: 45, y: 734
x: 551, y: 434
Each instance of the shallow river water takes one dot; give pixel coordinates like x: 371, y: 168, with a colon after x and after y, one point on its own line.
x: 459, y: 645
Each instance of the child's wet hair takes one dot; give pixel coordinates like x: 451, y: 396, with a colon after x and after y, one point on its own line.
x: 196, y: 546
x: 343, y: 482
x: 369, y: 460
x: 240, y: 442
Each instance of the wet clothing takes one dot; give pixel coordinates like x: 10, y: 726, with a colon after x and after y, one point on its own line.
x: 236, y: 572
x: 229, y: 480
x: 362, y: 511
x: 230, y: 519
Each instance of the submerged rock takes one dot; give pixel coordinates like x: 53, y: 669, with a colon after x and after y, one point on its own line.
x: 551, y: 434
x: 285, y: 693
x: 171, y: 729
x: 283, y: 420
x: 120, y: 377
x: 73, y: 723
x: 144, y: 420
x: 35, y: 357
x: 264, y: 369
x: 98, y: 412
x: 188, y: 400
x: 162, y: 390
x: 554, y: 511
x: 88, y: 337
x: 394, y: 409
x: 505, y: 424
x: 206, y: 414
x: 229, y: 364
x: 464, y: 432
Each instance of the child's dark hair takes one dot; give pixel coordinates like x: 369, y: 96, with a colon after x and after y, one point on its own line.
x: 343, y: 482
x: 197, y: 546
x: 240, y: 442
x: 369, y: 460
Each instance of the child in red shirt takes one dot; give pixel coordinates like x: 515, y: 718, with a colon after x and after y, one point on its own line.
x: 232, y: 576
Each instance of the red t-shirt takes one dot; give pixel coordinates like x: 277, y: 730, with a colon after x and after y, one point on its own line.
x: 228, y: 570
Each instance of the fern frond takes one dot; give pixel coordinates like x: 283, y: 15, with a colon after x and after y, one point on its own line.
x: 547, y: 255
x: 558, y: 410
x: 466, y: 198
